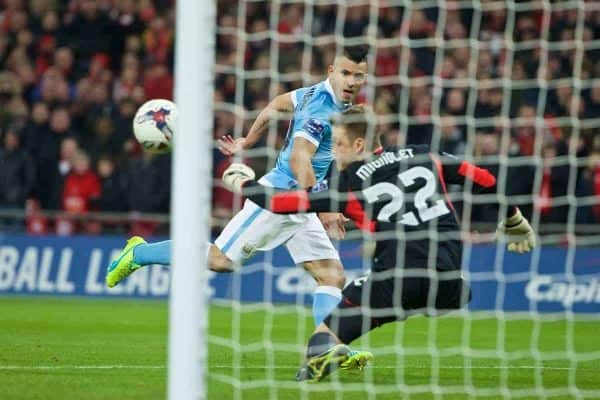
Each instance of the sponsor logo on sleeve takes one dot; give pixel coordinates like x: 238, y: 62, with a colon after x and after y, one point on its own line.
x: 314, y: 128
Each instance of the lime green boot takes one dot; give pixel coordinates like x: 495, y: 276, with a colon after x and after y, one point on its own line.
x: 123, y: 266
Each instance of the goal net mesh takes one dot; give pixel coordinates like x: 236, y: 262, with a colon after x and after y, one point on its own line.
x: 513, y: 86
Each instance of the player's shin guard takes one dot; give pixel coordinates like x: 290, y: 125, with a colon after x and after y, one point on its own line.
x: 325, y: 299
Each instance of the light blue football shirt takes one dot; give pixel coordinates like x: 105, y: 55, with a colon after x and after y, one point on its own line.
x: 313, y: 108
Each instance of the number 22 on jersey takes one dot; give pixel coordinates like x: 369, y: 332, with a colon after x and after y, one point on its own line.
x: 425, y: 212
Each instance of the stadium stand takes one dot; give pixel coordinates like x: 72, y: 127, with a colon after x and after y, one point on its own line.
x: 73, y: 72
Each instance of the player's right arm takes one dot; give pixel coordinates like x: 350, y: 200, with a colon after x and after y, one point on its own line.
x: 281, y: 103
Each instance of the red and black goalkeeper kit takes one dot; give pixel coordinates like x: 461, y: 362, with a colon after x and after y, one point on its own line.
x: 399, y: 196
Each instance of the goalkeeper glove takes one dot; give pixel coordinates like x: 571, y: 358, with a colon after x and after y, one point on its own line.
x: 519, y: 234
x: 236, y: 175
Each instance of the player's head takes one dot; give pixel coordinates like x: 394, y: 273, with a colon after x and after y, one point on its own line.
x: 354, y: 135
x: 348, y: 73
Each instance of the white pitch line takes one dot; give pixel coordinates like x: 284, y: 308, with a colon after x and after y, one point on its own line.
x: 286, y: 367
x: 51, y: 367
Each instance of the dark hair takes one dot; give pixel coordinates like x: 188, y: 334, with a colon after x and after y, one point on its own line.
x: 359, y: 122
x: 356, y: 53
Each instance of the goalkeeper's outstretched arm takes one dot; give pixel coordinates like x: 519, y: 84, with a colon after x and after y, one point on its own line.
x: 294, y: 201
x: 514, y: 227
x: 239, y: 178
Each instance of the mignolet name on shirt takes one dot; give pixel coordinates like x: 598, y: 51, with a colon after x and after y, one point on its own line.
x: 384, y: 159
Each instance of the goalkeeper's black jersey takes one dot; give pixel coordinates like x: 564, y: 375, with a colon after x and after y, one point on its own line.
x: 399, y: 196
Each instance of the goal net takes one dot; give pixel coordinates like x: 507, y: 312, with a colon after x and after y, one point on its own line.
x: 513, y: 86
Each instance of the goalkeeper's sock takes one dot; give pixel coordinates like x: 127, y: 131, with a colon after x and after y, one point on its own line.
x: 153, y: 253
x: 325, y: 299
x: 319, y: 343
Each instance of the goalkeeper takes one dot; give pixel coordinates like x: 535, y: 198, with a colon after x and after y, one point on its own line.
x: 398, y: 195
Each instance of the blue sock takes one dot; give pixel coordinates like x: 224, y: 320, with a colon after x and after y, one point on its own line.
x: 153, y: 253
x: 325, y: 299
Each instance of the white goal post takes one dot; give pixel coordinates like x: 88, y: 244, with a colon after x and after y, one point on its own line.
x: 192, y: 155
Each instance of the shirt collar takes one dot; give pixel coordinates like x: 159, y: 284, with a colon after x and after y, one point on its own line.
x: 330, y: 89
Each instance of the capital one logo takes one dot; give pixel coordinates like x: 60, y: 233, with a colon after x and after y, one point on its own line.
x: 543, y: 288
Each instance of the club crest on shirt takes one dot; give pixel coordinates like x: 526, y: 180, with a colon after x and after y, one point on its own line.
x: 248, y: 250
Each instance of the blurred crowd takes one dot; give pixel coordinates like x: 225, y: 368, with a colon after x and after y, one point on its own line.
x: 525, y: 94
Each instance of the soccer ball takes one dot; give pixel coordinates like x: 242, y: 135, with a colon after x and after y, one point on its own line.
x: 154, y: 125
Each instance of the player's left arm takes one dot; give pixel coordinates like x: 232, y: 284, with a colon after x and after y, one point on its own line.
x: 514, y: 226
x: 306, y: 141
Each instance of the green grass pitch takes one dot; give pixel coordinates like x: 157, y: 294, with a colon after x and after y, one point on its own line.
x: 65, y: 348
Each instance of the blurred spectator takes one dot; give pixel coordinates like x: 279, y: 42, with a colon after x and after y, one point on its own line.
x: 89, y: 32
x: 148, y: 190
x: 357, y: 20
x: 81, y: 186
x: 489, y: 103
x: 36, y: 127
x: 63, y: 62
x: 158, y: 40
x: 158, y: 82
x: 451, y: 140
x: 149, y: 185
x: 389, y: 21
x: 127, y: 83
x: 52, y: 152
x: 418, y: 25
x: 455, y: 102
x: 68, y: 149
x: 290, y: 20
x: 593, y: 105
x: 53, y: 88
x: 10, y: 92
x: 102, y: 138
x: 555, y: 183
x: 387, y: 62
x: 124, y: 130
x: 17, y: 171
x: 525, y: 131
x: 113, y: 187
x: 589, y: 187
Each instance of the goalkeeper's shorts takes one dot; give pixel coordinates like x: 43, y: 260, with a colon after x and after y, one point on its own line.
x: 393, y: 295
